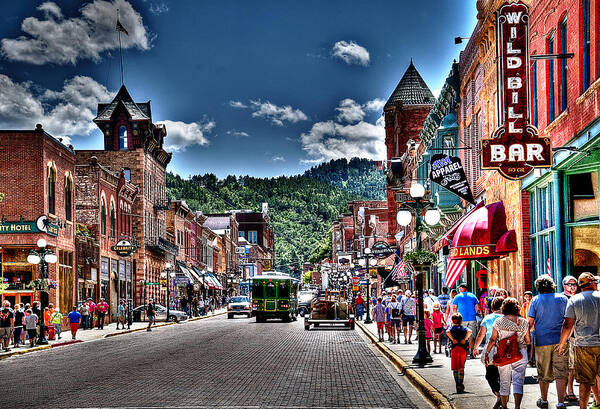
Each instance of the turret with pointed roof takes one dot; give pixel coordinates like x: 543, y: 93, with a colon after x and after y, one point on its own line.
x: 411, y: 90
x: 128, y: 125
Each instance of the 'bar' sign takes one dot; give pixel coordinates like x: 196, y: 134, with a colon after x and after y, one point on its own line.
x: 515, y: 148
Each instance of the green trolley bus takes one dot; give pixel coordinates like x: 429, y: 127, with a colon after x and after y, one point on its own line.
x: 274, y: 296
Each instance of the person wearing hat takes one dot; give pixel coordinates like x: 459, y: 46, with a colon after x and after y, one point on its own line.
x: 569, y: 284
x: 429, y: 300
x: 467, y: 305
x: 527, y: 296
x: 581, y: 316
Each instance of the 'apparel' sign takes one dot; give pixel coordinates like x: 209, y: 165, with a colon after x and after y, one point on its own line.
x: 448, y: 172
x: 515, y: 148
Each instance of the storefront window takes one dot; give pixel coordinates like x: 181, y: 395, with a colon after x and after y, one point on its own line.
x: 65, y: 271
x: 542, y: 229
x: 586, y: 253
x: 583, y: 189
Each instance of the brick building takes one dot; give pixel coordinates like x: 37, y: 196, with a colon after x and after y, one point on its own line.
x: 133, y: 144
x: 563, y: 201
x: 36, y: 179
x: 103, y: 214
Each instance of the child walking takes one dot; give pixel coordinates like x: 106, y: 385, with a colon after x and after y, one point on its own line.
x: 459, y: 336
x: 428, y: 329
x: 437, y: 316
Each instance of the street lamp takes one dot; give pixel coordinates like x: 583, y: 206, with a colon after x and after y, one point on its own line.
x: 168, y: 272
x: 367, y: 256
x: 43, y: 257
x: 432, y: 217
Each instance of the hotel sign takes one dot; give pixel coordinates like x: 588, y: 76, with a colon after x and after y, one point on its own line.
x: 24, y: 227
x: 515, y: 148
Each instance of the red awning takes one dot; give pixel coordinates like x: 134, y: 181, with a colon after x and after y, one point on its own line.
x: 484, y: 235
x: 447, y: 238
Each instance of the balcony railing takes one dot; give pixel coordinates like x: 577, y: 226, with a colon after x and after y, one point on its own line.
x: 161, y: 245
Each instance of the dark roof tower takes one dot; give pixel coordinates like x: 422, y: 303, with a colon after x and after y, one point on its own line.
x: 411, y: 90
x: 137, y: 111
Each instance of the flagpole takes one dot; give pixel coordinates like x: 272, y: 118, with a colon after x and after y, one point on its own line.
x: 120, y: 50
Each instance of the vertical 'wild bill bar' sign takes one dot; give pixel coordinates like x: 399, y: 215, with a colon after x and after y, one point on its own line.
x: 515, y: 148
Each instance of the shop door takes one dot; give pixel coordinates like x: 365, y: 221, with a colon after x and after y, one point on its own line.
x: 25, y: 299
x: 114, y: 298
x: 12, y: 298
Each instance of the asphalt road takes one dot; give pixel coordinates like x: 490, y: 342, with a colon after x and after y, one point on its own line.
x: 210, y: 363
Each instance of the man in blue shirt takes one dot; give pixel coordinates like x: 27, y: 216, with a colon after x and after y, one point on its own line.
x: 546, y: 316
x: 468, y: 306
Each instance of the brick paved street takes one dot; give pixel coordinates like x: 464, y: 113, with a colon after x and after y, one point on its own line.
x: 210, y: 363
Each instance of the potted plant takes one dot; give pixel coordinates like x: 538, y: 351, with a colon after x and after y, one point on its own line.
x: 420, y: 259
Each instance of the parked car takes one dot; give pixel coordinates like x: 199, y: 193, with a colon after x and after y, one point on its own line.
x: 239, y: 306
x: 139, y: 314
x: 304, y: 300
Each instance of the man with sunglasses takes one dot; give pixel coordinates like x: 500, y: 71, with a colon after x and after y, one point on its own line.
x: 581, y: 316
x: 569, y: 284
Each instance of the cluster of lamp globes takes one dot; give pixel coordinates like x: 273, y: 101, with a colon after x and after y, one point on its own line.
x: 404, y: 217
x: 34, y: 257
x: 168, y: 266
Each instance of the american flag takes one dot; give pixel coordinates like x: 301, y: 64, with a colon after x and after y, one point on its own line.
x: 454, y: 270
x: 548, y: 266
x: 399, y: 270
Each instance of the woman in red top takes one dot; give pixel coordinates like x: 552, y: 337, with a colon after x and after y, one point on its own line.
x: 438, y: 328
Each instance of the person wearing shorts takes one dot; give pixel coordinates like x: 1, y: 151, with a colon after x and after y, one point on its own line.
x: 459, y: 336
x: 379, y: 317
x: 394, y: 311
x: 31, y: 321
x: 150, y: 313
x: 581, y: 316
x: 409, y: 311
x: 7, y: 323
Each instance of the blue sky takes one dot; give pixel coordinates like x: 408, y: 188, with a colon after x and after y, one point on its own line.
x: 245, y: 87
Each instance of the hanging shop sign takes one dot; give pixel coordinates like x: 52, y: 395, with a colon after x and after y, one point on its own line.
x: 472, y: 251
x: 448, y: 172
x: 124, y: 248
x: 515, y: 148
x: 382, y: 250
x: 267, y: 265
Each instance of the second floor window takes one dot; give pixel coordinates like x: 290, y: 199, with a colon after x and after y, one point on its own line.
x: 102, y: 217
x: 551, y: 107
x: 112, y: 220
x: 68, y: 198
x: 585, y: 45
x: 534, y: 92
x: 252, y: 236
x: 51, y: 190
x: 563, y: 65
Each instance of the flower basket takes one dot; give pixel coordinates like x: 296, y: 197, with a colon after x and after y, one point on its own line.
x: 43, y: 284
x: 420, y: 260
x: 3, y: 287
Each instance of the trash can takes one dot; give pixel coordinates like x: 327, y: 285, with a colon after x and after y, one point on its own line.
x: 51, y: 333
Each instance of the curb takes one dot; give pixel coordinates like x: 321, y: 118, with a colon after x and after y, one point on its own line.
x: 428, y: 390
x: 25, y: 351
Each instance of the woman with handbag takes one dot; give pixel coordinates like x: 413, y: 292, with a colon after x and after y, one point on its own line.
x: 510, y: 336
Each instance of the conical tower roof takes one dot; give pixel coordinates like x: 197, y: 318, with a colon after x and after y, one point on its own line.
x: 411, y: 90
x: 137, y: 111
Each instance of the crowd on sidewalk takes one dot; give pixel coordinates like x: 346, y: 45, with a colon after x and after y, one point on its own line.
x: 559, y: 333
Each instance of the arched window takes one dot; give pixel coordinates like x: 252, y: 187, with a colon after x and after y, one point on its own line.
x: 68, y: 197
x: 112, y: 219
x: 51, y: 189
x: 103, y: 216
x: 122, y: 137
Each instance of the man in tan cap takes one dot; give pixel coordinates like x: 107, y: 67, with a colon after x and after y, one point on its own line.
x: 581, y: 316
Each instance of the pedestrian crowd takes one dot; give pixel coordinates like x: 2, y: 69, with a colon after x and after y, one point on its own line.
x: 559, y: 333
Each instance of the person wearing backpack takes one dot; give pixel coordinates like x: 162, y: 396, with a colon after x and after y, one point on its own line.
x: 510, y: 336
x: 395, y: 310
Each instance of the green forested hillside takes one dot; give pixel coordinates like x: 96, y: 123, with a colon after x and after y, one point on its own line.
x: 358, y: 176
x: 301, y: 207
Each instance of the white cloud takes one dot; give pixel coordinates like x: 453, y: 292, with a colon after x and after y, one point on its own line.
x: 157, y: 8
x: 351, y: 53
x: 237, y: 104
x: 63, y: 113
x: 238, y: 134
x: 181, y: 135
x: 59, y: 40
x: 275, y: 113
x: 349, y: 111
x: 374, y: 104
x: 278, y: 159
x: 337, y: 139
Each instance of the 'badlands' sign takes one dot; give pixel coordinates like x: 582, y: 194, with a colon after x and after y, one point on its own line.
x: 515, y: 148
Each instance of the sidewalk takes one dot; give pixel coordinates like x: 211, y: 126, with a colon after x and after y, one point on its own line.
x: 109, y: 330
x: 478, y: 394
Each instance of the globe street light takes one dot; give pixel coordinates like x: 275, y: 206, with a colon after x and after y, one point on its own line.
x: 43, y: 257
x: 168, y: 272
x: 367, y: 256
x: 432, y: 217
